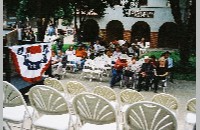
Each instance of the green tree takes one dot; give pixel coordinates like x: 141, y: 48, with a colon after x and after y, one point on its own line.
x: 43, y: 10
x: 83, y: 7
x: 184, y: 12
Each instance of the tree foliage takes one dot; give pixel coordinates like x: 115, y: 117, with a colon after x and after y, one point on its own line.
x: 186, y: 22
x: 65, y: 9
x: 84, y: 7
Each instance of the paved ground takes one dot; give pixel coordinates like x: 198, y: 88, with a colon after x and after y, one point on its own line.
x: 182, y: 90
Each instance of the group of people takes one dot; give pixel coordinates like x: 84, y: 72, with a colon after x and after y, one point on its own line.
x: 150, y: 72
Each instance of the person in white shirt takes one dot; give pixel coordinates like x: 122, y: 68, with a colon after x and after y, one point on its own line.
x: 70, y: 51
x: 97, y: 47
x: 130, y: 71
x: 117, y: 53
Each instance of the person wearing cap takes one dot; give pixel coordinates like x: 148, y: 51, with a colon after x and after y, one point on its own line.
x: 170, y: 64
x: 117, y: 69
x: 145, y: 74
x: 160, y: 72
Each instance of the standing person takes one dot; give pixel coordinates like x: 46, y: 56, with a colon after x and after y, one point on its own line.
x: 160, y: 73
x: 142, y: 45
x: 117, y: 69
x: 170, y: 65
x: 145, y: 74
x: 51, y: 30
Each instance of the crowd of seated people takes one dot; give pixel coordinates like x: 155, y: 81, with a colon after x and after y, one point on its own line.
x: 120, y: 57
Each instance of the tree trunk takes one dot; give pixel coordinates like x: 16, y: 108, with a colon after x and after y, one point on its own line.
x: 42, y: 26
x: 182, y: 32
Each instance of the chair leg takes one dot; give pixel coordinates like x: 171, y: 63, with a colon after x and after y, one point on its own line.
x: 8, y: 126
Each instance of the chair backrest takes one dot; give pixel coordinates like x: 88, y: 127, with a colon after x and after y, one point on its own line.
x: 105, y: 92
x: 166, y: 100
x: 191, y: 105
x: 146, y: 115
x: 48, y: 81
x: 129, y: 96
x: 11, y: 95
x: 55, y: 83
x: 94, y: 109
x: 47, y: 100
x: 74, y: 87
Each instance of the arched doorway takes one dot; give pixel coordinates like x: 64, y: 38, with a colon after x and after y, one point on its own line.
x: 140, y: 30
x: 90, y: 30
x: 167, y: 36
x: 114, y: 30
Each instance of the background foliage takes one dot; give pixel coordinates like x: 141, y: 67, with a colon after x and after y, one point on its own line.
x: 185, y: 71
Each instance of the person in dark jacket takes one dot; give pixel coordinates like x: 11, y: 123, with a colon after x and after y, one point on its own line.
x: 145, y: 74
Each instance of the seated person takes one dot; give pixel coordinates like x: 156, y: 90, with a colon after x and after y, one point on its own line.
x: 54, y: 58
x: 117, y: 69
x: 57, y: 63
x: 81, y: 52
x: 145, y: 74
x: 130, y: 71
x: 160, y: 73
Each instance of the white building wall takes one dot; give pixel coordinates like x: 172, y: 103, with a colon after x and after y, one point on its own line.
x: 161, y: 15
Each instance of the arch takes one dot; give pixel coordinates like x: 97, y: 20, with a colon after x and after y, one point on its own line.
x: 90, y: 30
x: 114, y: 30
x: 140, y: 30
x: 168, y: 35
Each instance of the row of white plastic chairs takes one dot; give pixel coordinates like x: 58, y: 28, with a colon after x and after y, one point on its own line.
x: 91, y: 109
x: 101, y: 66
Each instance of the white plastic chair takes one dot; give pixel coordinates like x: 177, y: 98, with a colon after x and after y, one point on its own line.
x: 146, y: 115
x: 167, y: 100
x: 72, y: 88
x: 55, y: 83
x: 48, y: 81
x: 15, y: 109
x: 105, y: 92
x: 51, y: 109
x: 126, y: 98
x: 190, y: 118
x: 95, y: 112
x: 108, y: 94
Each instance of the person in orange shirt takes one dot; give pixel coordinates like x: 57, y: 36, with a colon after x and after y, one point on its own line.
x: 81, y: 52
x: 117, y: 69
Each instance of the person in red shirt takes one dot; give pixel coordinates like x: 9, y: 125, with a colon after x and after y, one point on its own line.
x: 117, y: 69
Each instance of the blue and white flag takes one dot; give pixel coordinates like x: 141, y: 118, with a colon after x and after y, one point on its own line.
x: 31, y: 61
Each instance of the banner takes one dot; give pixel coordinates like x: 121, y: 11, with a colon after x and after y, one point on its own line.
x: 31, y: 61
